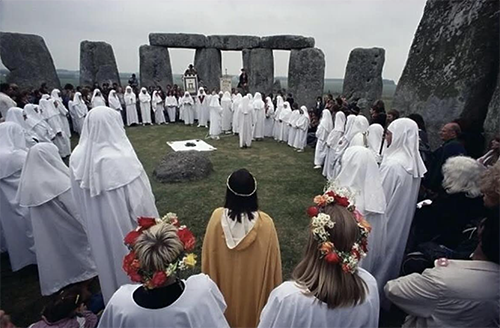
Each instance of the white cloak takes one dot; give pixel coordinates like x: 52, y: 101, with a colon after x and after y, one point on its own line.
x: 269, y: 123
x: 157, y: 104
x: 215, y: 117
x: 301, y: 128
x: 200, y: 305
x: 236, y: 111
x: 131, y: 107
x: 246, y: 122
x: 145, y: 104
x: 292, y: 127
x: 227, y: 114
x: 171, y: 104
x: 288, y: 306
x: 324, y: 128
x: 260, y: 116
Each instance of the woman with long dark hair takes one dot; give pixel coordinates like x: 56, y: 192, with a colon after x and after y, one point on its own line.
x: 241, y: 251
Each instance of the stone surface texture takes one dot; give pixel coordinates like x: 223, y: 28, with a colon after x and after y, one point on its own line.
x: 155, y: 68
x: 276, y: 86
x: 207, y: 62
x: 233, y: 42
x: 492, y: 121
x: 452, y: 68
x: 178, y: 40
x: 259, y: 65
x: 183, y: 166
x: 363, y: 76
x: 28, y: 60
x: 306, y: 75
x: 97, y: 63
x: 286, y: 42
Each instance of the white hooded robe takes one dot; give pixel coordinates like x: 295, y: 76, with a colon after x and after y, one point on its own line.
x: 269, y: 122
x: 145, y: 104
x: 131, y: 106
x: 260, y: 116
x: 171, y: 104
x: 324, y: 128
x: 157, y: 104
x: 227, y: 113
x: 246, y: 121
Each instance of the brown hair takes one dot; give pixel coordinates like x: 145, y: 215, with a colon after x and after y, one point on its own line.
x: 326, y: 281
x: 490, y: 183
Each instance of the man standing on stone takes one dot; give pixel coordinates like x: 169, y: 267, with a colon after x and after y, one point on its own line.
x: 6, y: 101
x: 451, y: 147
x: 243, y: 84
x: 190, y: 71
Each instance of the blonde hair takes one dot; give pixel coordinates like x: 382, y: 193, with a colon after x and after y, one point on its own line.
x: 327, y: 281
x: 158, y: 246
x: 490, y: 182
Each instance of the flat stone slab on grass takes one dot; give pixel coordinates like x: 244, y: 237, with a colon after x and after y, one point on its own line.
x: 183, y: 166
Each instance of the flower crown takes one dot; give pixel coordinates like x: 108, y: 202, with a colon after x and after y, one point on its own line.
x: 150, y: 280
x: 322, y: 222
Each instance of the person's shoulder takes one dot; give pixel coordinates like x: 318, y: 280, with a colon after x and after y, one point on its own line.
x: 287, y: 289
x: 266, y: 219
x: 367, y: 277
x: 123, y: 293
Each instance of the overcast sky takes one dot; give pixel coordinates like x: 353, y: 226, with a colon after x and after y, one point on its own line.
x: 338, y: 27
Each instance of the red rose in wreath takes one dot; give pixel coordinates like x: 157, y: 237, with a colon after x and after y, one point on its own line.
x: 332, y: 257
x: 312, y: 211
x: 342, y: 201
x: 146, y: 223
x: 187, y: 238
x: 159, y: 278
x: 131, y: 238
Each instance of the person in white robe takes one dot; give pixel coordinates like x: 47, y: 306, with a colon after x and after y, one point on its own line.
x: 277, y: 122
x: 157, y: 104
x: 78, y: 111
x: 285, y: 116
x: 131, y: 106
x: 114, y: 101
x: 374, y: 138
x: 215, y: 117
x: 236, y: 112
x: 15, y: 115
x: 6, y: 102
x: 145, y: 104
x: 36, y: 125
x: 227, y: 113
x: 360, y: 137
x: 340, y: 126
x: 246, y: 119
x: 16, y: 221
x: 61, y: 243
x: 260, y: 116
x: 269, y: 118
x: 97, y: 99
x: 194, y: 302
x: 112, y: 190
x: 301, y: 126
x: 171, y: 105
x: 63, y: 111
x: 360, y: 173
x: 202, y: 109
x: 187, y: 108
x: 401, y: 171
x: 292, y: 126
x: 324, y: 128
x: 52, y: 117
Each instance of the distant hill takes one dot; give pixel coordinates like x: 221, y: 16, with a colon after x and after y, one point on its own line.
x: 332, y: 85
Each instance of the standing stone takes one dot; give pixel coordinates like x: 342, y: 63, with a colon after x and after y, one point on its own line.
x: 178, y: 40
x: 363, y: 76
x: 155, y: 68
x: 28, y: 59
x: 492, y: 122
x: 286, y: 42
x: 276, y: 86
x: 306, y: 75
x: 259, y: 65
x: 452, y: 68
x: 97, y: 63
x: 233, y: 42
x: 208, y: 63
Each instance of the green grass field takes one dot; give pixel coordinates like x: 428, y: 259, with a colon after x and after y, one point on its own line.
x: 287, y: 183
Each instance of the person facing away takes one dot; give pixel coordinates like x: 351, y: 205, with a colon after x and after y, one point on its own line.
x: 239, y: 234
x: 360, y: 173
x: 67, y: 310
x: 246, y: 121
x: 236, y: 111
x: 328, y: 289
x: 16, y: 220
x: 260, y: 116
x: 6, y: 101
x: 112, y: 190
x: 301, y: 126
x: 162, y: 299
x: 132, y: 82
x: 341, y: 126
x: 157, y: 104
x: 58, y: 230
x: 324, y: 128
x: 455, y: 293
x: 97, y: 99
x: 269, y: 120
x: 187, y: 109
x: 131, y: 106
x: 145, y: 104
x: 62, y: 110
x: 227, y: 113
x: 449, y: 134
x: 15, y: 115
x: 78, y: 111
x: 52, y: 117
x: 401, y: 171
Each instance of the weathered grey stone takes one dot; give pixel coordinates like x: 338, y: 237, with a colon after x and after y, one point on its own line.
x: 97, y: 63
x: 178, y: 40
x: 306, y: 75
x: 276, y: 86
x: 363, y: 76
x: 452, y: 67
x: 233, y: 42
x: 492, y: 122
x: 183, y: 166
x: 155, y: 68
x: 259, y: 65
x: 207, y: 62
x: 28, y: 59
x: 286, y: 42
